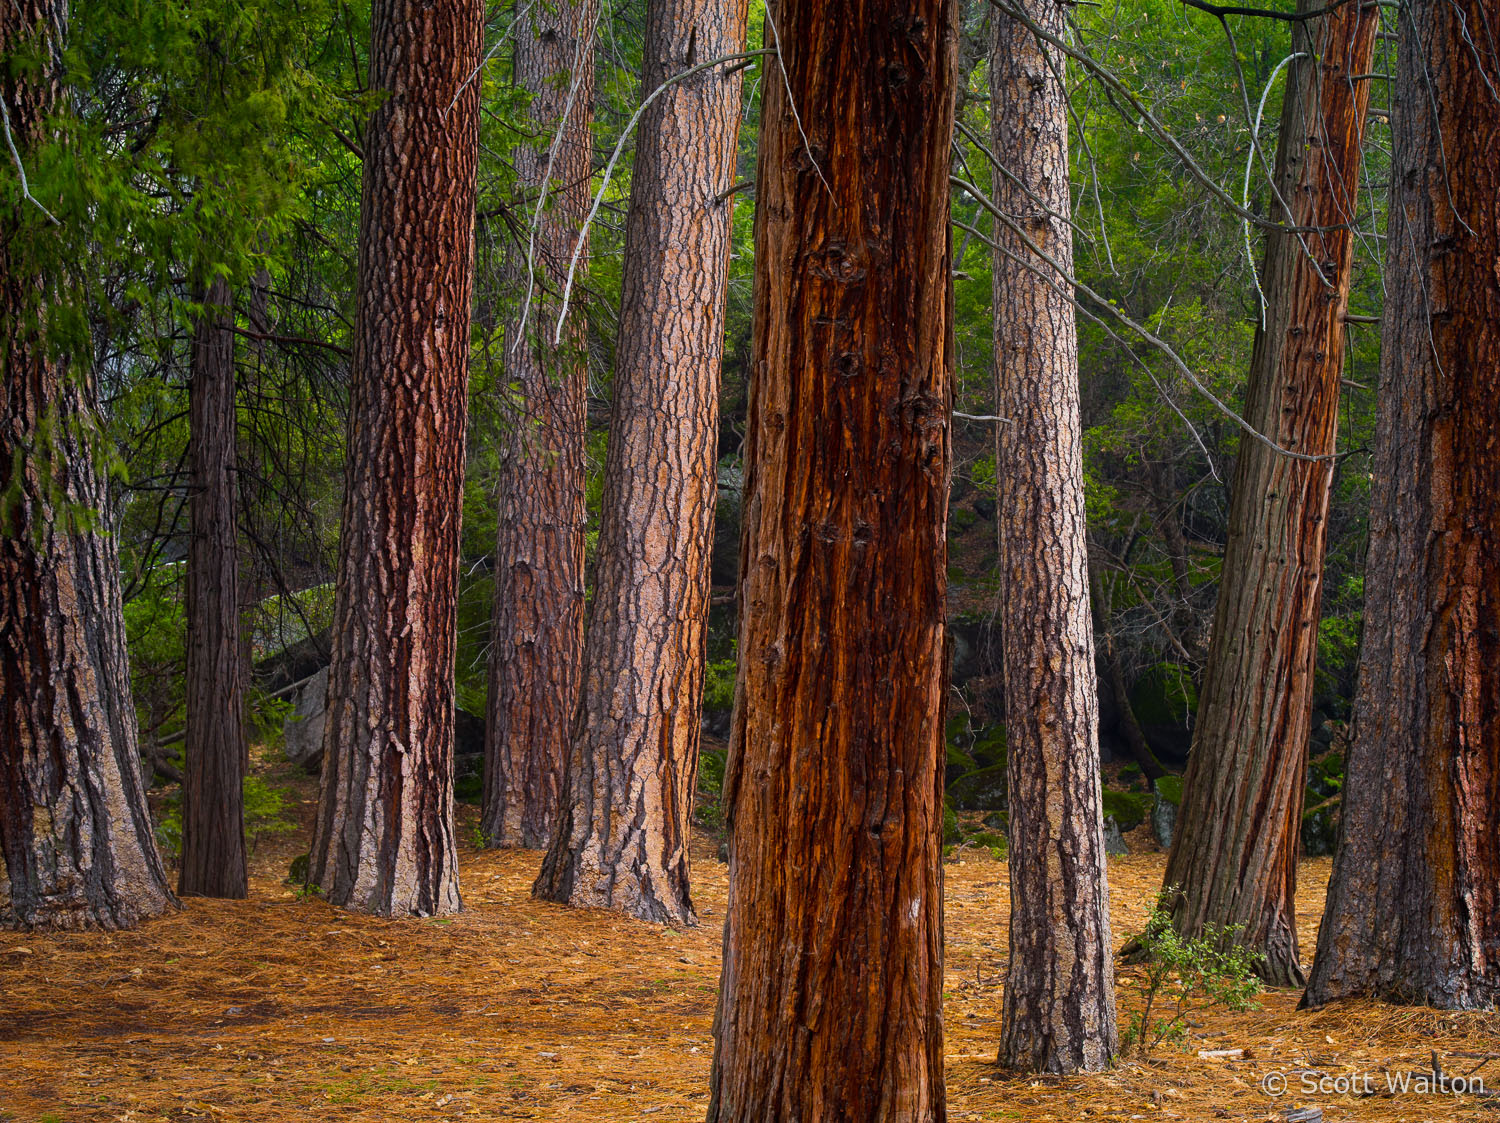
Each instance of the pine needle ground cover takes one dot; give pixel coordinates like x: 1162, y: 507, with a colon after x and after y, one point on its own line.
x: 279, y: 1009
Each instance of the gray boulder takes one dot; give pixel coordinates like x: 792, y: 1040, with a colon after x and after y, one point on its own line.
x: 303, y: 731
x: 1114, y: 841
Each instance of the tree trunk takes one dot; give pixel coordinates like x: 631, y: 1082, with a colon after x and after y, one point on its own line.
x: 74, y: 829
x: 1413, y: 910
x: 622, y: 841
x: 1059, y: 1013
x: 384, y: 836
x: 213, y: 811
x: 1234, y: 853
x: 1130, y: 726
x: 830, y: 1003
x: 537, y: 633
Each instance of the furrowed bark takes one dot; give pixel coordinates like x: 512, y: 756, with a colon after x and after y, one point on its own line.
x: 1234, y: 853
x: 537, y: 633
x: 622, y: 841
x: 213, y: 812
x: 74, y: 830
x: 830, y: 1002
x: 383, y: 842
x: 1059, y: 1013
x: 1413, y: 910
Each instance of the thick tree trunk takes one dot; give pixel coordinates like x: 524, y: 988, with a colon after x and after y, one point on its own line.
x: 622, y: 841
x: 830, y: 1004
x: 537, y: 633
x: 1414, y: 906
x: 1234, y: 853
x: 74, y: 830
x: 213, y: 814
x: 384, y: 836
x: 1059, y: 1013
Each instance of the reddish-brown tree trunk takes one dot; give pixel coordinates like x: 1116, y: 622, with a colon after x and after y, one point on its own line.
x: 1059, y: 1013
x: 384, y: 839
x: 1414, y: 905
x: 1234, y: 852
x: 537, y: 632
x: 622, y: 841
x: 74, y: 830
x: 830, y: 1005
x: 213, y: 814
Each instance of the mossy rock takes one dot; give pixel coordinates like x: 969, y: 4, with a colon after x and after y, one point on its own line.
x: 298, y: 873
x: 959, y: 762
x: 1320, y: 828
x: 1128, y: 809
x: 951, y: 831
x: 980, y: 790
x: 988, y: 749
x: 992, y: 839
x: 469, y: 788
x: 1170, y: 789
x: 997, y: 821
x: 1325, y: 777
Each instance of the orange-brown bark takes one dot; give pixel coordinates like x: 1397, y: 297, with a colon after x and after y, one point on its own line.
x: 384, y: 839
x: 830, y: 1000
x: 537, y: 634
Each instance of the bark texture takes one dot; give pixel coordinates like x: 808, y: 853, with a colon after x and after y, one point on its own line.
x: 213, y: 802
x: 537, y: 634
x: 1059, y: 1013
x: 384, y: 841
x: 623, y: 837
x: 74, y: 829
x: 1414, y: 905
x: 1234, y: 852
x: 830, y: 1004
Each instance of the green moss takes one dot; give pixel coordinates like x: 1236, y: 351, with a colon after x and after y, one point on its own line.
x: 951, y: 832
x: 1170, y: 789
x: 980, y: 790
x: 1128, y: 809
x: 989, y: 746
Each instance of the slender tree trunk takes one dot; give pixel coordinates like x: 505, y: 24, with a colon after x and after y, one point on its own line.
x: 74, y: 829
x: 830, y: 1005
x: 1234, y: 853
x: 1130, y: 726
x: 384, y: 836
x: 1413, y: 910
x: 537, y: 647
x: 1059, y: 1013
x: 623, y: 838
x: 213, y: 811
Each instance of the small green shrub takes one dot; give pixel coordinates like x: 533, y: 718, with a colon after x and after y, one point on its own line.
x: 1187, y: 975
x: 265, y: 809
x: 951, y: 832
x: 718, y: 684
x: 711, y: 763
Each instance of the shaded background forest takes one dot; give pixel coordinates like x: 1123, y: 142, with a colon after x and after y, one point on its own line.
x: 239, y: 129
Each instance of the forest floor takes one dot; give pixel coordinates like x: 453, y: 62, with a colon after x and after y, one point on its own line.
x: 279, y: 1008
